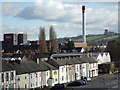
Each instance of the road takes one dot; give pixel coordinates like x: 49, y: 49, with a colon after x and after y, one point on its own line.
x: 102, y: 82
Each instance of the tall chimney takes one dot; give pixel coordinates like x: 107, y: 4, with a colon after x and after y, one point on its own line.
x: 83, y: 25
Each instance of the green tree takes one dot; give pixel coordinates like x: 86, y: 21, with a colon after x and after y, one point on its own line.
x: 113, y: 47
x: 70, y: 45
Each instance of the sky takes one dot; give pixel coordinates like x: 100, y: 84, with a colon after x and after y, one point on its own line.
x: 66, y: 17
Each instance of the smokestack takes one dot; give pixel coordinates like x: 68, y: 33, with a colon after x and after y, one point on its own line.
x: 83, y: 25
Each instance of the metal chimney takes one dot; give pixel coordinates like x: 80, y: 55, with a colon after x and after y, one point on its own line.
x: 83, y: 25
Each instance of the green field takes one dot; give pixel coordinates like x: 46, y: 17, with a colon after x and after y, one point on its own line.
x: 98, y: 38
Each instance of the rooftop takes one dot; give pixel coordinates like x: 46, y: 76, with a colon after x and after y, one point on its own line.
x: 6, y: 66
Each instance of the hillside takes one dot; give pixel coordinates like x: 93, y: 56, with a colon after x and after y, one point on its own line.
x: 92, y: 39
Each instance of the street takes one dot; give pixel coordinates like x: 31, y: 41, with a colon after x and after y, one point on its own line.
x: 104, y: 82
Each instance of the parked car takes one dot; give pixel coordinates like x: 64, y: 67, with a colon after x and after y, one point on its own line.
x: 86, y: 78
x: 85, y: 81
x: 76, y: 83
x: 58, y: 86
x: 82, y: 81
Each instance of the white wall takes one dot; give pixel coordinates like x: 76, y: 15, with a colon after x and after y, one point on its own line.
x: 47, y: 77
x: 106, y: 58
x: 84, y: 69
x: 55, y: 76
x: 62, y: 74
x: 77, y: 71
x: 28, y: 79
x: 32, y: 77
x: 9, y: 83
x: 22, y: 80
x: 93, y: 69
x: 38, y: 80
x: 103, y: 57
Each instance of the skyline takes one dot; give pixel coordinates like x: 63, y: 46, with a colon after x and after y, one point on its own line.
x: 64, y: 16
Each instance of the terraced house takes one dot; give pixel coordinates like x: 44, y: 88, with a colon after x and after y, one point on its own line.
x: 60, y: 68
x: 76, y: 64
x: 7, y: 76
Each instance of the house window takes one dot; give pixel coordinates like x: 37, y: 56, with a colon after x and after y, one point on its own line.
x: 56, y: 79
x: 93, y: 72
x: 94, y: 64
x: 44, y: 74
x: 91, y: 65
x: 47, y: 74
x: 18, y: 78
x: 62, y: 78
x: 36, y: 75
x: 62, y: 69
x: 36, y: 83
x: 11, y: 77
x: 77, y: 68
x: 25, y: 77
x: 80, y: 67
x: 2, y: 76
x: 31, y: 75
x: 67, y: 77
x: 76, y: 74
x: 7, y: 77
x: 55, y: 72
x: 25, y: 86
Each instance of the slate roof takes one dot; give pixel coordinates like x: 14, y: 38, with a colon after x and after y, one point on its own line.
x: 86, y: 59
x: 49, y: 65
x: 66, y: 54
x: 64, y: 61
x: 42, y: 55
x: 71, y: 61
x: 56, y: 63
x: 29, y: 67
x: 92, y: 60
x: 97, y: 53
x: 6, y: 66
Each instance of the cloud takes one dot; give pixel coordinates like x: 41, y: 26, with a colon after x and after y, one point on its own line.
x: 66, y: 18
x: 10, y: 9
x: 60, y: 12
x: 52, y: 11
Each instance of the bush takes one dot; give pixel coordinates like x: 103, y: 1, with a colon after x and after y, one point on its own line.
x: 112, y: 69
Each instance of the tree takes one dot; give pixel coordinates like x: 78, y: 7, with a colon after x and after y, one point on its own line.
x: 53, y: 40
x: 71, y: 44
x: 42, y: 42
x: 113, y: 47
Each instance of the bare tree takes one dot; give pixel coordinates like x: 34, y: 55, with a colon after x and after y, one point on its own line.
x: 42, y: 41
x: 53, y: 40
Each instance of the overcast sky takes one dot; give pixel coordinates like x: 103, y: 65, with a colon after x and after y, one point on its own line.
x: 66, y: 18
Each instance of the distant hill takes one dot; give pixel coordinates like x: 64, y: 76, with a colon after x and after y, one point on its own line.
x: 92, y: 39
